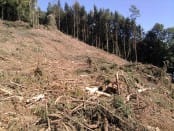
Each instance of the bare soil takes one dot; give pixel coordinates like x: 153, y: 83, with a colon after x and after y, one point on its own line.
x: 43, y: 76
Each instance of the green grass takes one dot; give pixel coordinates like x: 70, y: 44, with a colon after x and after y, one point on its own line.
x: 119, y: 105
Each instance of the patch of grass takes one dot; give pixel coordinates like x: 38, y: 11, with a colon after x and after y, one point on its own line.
x: 17, y: 24
x: 83, y: 71
x: 118, y: 103
x: 105, y: 69
x: 77, y: 92
x: 40, y: 111
x: 172, y: 93
x: 113, y: 66
x: 162, y: 102
x: 36, y: 49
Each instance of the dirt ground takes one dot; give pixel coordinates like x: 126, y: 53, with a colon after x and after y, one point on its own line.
x: 43, y: 80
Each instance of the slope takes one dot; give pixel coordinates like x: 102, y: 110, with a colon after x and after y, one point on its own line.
x: 43, y: 75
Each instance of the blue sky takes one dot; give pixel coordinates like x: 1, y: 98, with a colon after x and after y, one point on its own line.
x: 151, y: 11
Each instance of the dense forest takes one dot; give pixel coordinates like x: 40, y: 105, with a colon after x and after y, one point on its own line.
x: 101, y: 28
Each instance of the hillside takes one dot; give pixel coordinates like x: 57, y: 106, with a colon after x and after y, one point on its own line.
x: 43, y: 80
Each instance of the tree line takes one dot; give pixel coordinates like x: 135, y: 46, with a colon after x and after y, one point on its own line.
x: 101, y: 28
x: 24, y: 10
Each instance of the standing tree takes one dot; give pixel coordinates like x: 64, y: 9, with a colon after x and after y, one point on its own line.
x: 2, y: 4
x: 116, y: 28
x: 83, y: 24
x: 134, y: 14
x: 76, y: 9
x: 59, y: 13
x: 34, y: 16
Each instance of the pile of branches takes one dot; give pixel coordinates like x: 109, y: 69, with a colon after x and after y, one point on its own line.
x: 94, y: 113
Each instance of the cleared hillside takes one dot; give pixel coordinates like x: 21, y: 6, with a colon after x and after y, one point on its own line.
x: 44, y: 74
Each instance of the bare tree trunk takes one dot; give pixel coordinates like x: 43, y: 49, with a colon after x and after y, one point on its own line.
x: 74, y: 24
x: 59, y: 18
x: 107, y: 39
x: 129, y: 49
x: 37, y: 19
x: 2, y: 13
x: 99, y: 42
x: 135, y: 44
x: 124, y: 48
x: 113, y: 46
x: 117, y: 49
x: 86, y: 36
x: 31, y: 14
x: 117, y: 46
x: 96, y: 39
x: 78, y: 21
x: 84, y: 33
x: 67, y: 26
x: 136, y: 57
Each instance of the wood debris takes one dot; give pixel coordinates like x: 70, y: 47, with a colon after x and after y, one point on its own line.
x: 35, y: 98
x: 95, y: 90
x: 6, y: 90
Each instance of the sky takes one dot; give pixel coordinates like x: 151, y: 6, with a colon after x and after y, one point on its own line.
x: 151, y: 11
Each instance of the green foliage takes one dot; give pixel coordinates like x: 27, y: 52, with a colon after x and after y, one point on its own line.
x: 152, y: 49
x: 134, y: 12
x: 13, y: 10
x: 40, y: 112
x: 118, y: 103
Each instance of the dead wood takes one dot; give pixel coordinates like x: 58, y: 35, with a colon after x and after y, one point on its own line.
x: 127, y: 82
x: 75, y: 121
x: 76, y: 108
x: 3, y: 58
x: 16, y: 84
x: 19, y: 98
x: 106, y: 124
x: 93, y: 126
x: 48, y: 120
x: 35, y: 99
x: 95, y: 90
x: 5, y: 90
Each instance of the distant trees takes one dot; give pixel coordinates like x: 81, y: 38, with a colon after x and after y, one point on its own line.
x: 101, y: 28
x: 154, y: 48
x: 116, y: 34
x: 25, y: 10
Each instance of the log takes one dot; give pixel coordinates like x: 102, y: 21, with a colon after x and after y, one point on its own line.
x: 95, y: 90
x: 7, y: 91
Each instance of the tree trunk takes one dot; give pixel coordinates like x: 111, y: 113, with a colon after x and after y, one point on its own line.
x: 74, y: 24
x: 96, y: 39
x: 135, y: 45
x: 67, y: 26
x: 113, y: 46
x: 99, y: 42
x: 107, y: 39
x: 124, y: 46
x: 77, y: 31
x: 117, y: 49
x: 59, y: 18
x: 129, y: 49
x: 2, y: 13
